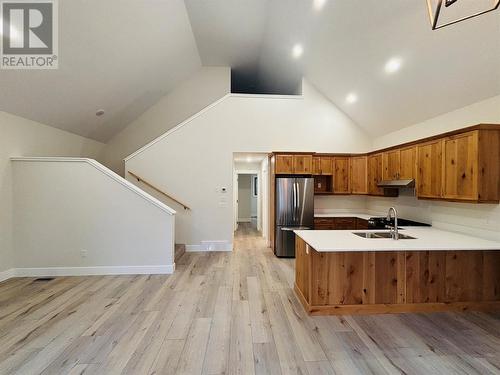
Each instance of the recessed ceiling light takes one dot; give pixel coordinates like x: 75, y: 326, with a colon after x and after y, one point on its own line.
x: 351, y: 98
x: 318, y: 4
x: 99, y: 113
x: 297, y: 51
x: 393, y: 65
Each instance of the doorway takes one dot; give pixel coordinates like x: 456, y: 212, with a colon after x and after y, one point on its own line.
x: 250, y: 190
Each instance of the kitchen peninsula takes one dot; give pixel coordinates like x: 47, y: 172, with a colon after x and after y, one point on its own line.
x: 341, y: 272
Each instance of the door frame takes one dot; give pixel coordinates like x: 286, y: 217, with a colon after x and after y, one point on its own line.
x: 235, y: 196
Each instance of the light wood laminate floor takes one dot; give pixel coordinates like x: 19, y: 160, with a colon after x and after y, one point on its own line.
x: 224, y: 313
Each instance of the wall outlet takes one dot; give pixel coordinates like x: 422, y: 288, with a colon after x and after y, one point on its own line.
x: 83, y: 253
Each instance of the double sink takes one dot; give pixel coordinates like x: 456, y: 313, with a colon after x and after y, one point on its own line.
x: 386, y: 235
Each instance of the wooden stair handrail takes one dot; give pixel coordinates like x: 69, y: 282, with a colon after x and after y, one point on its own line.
x: 140, y: 179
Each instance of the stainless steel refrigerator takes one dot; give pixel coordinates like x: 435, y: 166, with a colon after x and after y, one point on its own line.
x: 294, y: 210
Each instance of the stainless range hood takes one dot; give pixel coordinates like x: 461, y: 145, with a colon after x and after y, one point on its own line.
x: 397, y: 184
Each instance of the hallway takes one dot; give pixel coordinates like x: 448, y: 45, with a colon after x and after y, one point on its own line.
x: 223, y: 313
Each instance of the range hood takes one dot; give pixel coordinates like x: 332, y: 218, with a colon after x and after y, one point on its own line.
x: 397, y: 184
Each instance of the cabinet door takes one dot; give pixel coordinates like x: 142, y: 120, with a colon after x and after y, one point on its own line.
x: 430, y: 169
x: 345, y: 223
x: 359, y: 175
x: 390, y: 161
x: 284, y: 164
x: 316, y: 165
x: 326, y: 166
x: 461, y: 166
x: 341, y: 180
x: 302, y: 164
x: 407, y: 163
x: 375, y: 174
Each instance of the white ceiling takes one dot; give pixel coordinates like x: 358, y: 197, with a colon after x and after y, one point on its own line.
x: 118, y: 55
x: 346, y: 45
x: 123, y: 55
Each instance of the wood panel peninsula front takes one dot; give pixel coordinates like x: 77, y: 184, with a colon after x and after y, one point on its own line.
x: 339, y: 273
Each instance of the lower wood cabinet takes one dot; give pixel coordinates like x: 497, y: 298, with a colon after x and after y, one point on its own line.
x: 340, y: 223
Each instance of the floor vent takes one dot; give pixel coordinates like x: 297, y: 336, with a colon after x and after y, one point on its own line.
x: 43, y: 279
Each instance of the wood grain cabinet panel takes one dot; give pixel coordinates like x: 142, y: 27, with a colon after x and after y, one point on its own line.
x: 341, y: 177
x: 284, y: 164
x: 430, y: 169
x: 375, y: 166
x: 391, y: 164
x: 359, y: 175
x: 407, y: 163
x: 461, y: 166
x: 326, y: 164
x: 302, y: 164
x: 371, y: 282
x: 322, y: 166
x: 316, y: 166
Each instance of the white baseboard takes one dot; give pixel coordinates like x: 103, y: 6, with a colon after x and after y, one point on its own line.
x: 245, y: 220
x: 210, y: 246
x: 88, y: 271
x: 5, y: 275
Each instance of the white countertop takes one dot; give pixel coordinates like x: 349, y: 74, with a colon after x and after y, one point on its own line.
x: 426, y: 239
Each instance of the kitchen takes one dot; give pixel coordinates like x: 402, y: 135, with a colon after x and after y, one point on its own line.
x: 365, y: 262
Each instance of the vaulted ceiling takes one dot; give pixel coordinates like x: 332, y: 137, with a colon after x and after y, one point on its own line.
x: 346, y: 44
x: 123, y: 55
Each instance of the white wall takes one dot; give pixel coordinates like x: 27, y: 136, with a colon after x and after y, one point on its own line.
x: 194, y: 162
x: 475, y: 219
x: 22, y: 137
x: 64, y: 206
x: 188, y: 98
x: 245, y: 197
x: 486, y: 111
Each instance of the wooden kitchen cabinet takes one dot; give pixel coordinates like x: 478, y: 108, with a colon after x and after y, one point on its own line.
x: 293, y: 164
x: 322, y: 166
x: 359, y: 175
x: 341, y: 176
x: 391, y: 163
x: 460, y: 174
x: 302, y: 164
x: 399, y: 164
x: 407, y: 163
x: 375, y: 166
x: 284, y: 164
x: 471, y: 166
x: 430, y: 169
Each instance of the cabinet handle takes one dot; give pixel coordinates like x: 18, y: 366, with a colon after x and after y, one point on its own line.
x: 307, y: 249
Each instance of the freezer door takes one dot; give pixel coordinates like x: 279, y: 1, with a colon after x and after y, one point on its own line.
x: 285, y: 241
x: 286, y: 199
x: 304, y: 211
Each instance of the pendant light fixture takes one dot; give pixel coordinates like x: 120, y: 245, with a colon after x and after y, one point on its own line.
x: 447, y: 12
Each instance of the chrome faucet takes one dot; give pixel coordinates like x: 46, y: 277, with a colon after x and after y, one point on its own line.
x: 394, y: 229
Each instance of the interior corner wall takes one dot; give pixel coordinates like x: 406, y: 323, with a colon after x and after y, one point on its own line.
x: 195, y: 162
x: 22, y: 137
x: 475, y: 219
x: 192, y: 95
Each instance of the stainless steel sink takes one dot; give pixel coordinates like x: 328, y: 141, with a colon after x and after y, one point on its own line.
x: 382, y: 235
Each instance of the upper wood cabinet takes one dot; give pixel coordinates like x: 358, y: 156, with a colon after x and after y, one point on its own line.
x: 302, y: 164
x: 375, y: 174
x: 399, y: 164
x: 293, y: 164
x: 322, y: 165
x: 359, y: 175
x: 430, y: 169
x: 341, y: 179
x: 408, y: 163
x: 471, y: 163
x: 284, y: 164
x: 390, y: 162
